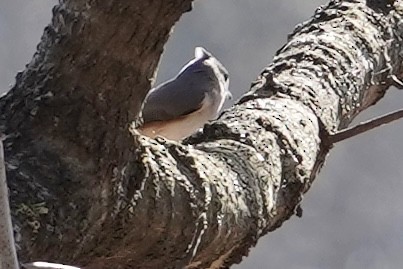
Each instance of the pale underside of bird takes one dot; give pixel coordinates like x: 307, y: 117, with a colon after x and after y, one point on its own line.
x: 179, y: 107
x: 47, y: 265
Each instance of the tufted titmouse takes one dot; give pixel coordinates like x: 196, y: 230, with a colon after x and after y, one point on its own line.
x: 179, y: 107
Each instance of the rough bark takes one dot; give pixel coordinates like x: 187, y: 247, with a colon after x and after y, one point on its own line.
x: 86, y: 191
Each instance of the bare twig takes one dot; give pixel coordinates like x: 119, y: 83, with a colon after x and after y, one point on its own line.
x: 365, y: 126
x: 8, y: 254
x: 397, y: 82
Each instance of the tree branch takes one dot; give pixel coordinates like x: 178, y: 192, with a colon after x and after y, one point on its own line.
x: 365, y: 126
x: 85, y: 191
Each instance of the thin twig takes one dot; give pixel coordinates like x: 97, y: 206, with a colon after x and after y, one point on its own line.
x: 8, y: 254
x: 366, y: 126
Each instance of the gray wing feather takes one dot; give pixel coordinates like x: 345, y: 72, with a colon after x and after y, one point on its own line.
x: 177, y: 97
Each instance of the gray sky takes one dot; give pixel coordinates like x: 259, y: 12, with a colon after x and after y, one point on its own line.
x: 353, y: 215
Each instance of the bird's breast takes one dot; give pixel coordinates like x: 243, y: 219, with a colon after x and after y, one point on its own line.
x: 184, y: 126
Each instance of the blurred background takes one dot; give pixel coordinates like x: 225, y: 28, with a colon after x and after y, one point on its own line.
x: 353, y: 214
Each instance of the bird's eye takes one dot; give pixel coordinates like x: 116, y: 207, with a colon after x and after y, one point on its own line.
x: 225, y: 77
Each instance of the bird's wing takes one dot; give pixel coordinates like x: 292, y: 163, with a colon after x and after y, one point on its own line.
x: 173, y: 99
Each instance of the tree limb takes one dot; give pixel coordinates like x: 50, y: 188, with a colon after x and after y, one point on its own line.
x: 85, y: 191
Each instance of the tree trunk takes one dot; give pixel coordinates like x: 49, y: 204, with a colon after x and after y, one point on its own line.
x: 87, y: 191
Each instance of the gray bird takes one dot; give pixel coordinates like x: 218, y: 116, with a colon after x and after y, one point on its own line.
x: 179, y: 107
